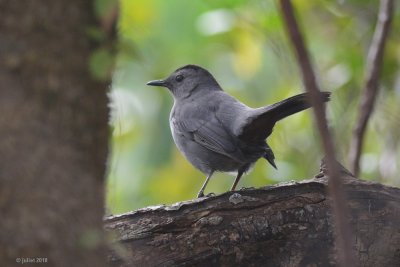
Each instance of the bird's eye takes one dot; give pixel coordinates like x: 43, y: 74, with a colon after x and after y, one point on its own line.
x: 179, y: 78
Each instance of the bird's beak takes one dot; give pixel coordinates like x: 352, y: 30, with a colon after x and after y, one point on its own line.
x: 157, y: 83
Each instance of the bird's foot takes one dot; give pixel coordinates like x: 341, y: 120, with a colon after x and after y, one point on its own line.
x: 201, y: 194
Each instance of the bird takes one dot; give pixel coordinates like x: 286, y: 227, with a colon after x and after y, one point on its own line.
x: 216, y: 132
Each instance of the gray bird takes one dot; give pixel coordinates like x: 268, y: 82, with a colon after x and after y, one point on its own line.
x: 216, y: 132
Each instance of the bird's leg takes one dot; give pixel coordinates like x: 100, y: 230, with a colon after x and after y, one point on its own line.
x: 239, y: 175
x: 201, y: 192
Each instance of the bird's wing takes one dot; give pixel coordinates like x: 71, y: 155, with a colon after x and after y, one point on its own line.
x: 211, y: 134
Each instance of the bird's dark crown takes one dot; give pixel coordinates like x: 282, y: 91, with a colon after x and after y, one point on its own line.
x: 190, y: 66
x: 197, y: 69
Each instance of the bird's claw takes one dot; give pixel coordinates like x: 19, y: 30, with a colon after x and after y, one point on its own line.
x: 201, y: 194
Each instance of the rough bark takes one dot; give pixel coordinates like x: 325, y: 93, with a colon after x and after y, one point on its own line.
x: 285, y: 225
x: 53, y: 136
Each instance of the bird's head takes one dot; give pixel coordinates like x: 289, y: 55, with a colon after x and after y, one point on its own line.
x: 186, y: 80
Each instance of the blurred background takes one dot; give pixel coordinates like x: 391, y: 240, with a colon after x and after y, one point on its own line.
x: 244, y: 45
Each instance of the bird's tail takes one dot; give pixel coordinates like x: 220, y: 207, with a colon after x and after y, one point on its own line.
x: 259, y: 126
x: 293, y: 105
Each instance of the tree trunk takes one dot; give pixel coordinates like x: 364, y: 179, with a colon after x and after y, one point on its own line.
x: 53, y: 136
x: 284, y: 225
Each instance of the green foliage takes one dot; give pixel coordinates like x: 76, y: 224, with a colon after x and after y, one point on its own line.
x: 244, y: 45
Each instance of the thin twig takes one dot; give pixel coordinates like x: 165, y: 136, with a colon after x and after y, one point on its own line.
x: 372, y: 69
x: 340, y: 210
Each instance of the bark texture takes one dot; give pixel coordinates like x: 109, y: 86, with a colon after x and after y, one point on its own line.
x: 284, y: 225
x: 53, y: 136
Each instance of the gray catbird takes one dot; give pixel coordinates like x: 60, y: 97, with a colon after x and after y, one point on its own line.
x: 216, y: 132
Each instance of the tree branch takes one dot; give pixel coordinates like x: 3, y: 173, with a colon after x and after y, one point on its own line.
x: 282, y: 225
x: 344, y: 235
x: 373, y: 68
